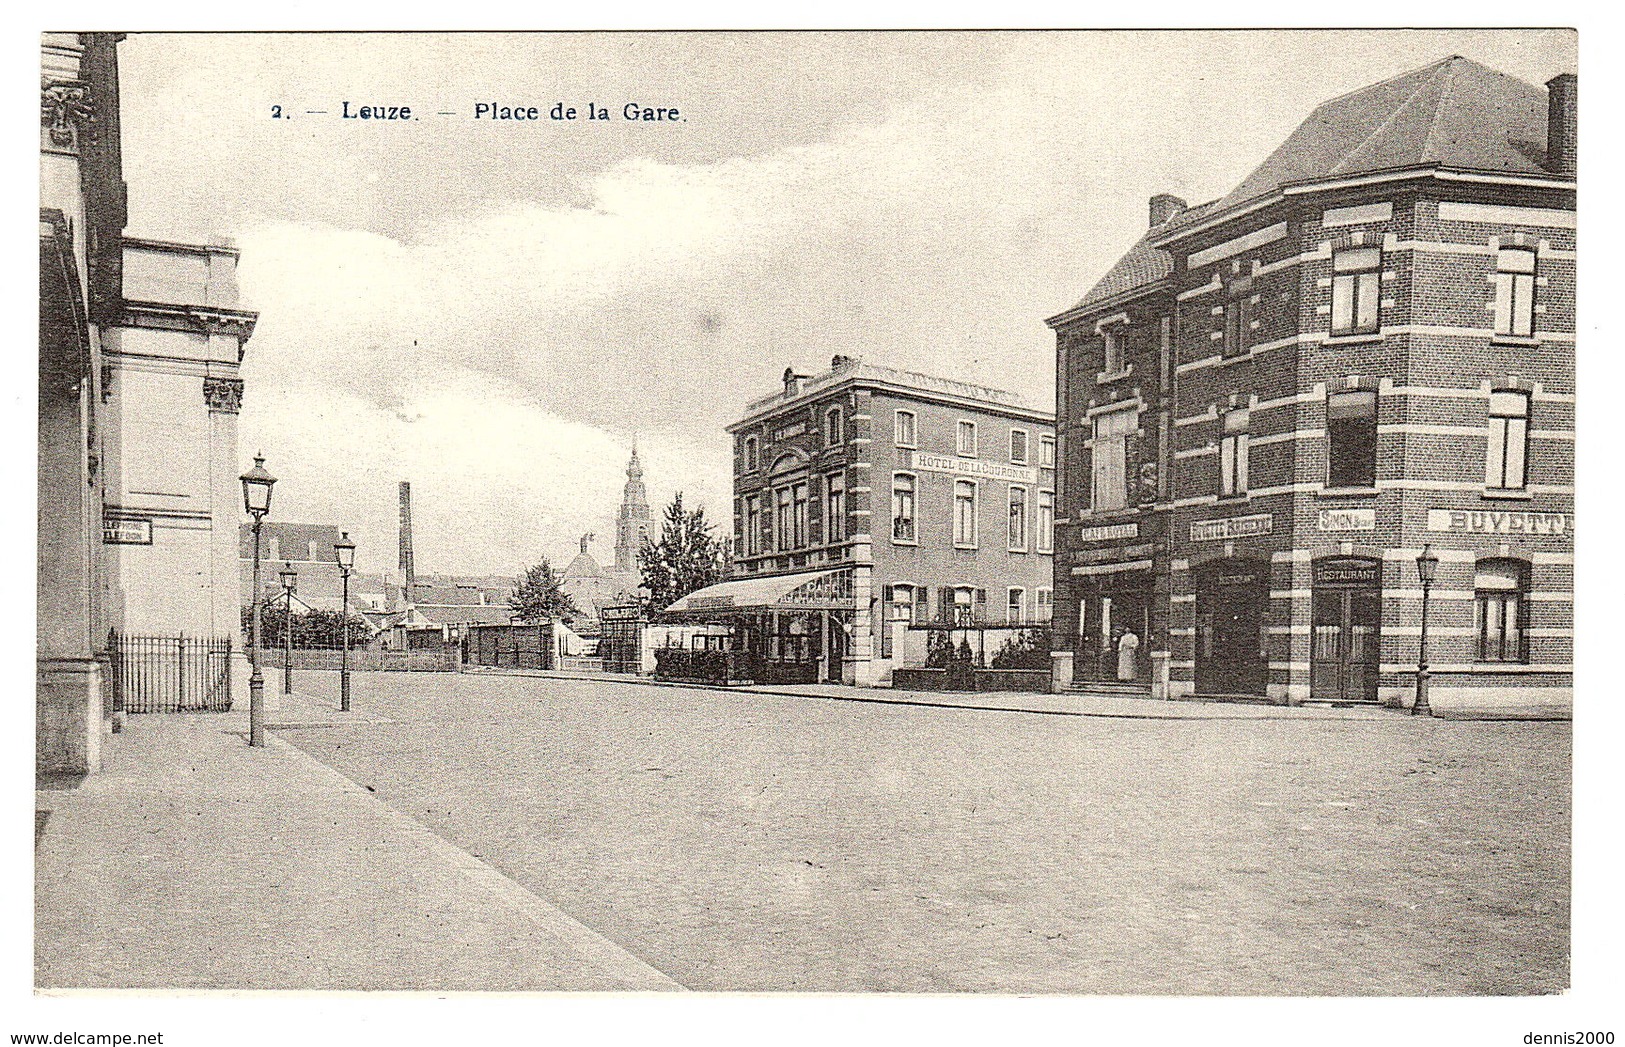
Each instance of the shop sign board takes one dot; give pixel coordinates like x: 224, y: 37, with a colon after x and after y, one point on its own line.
x: 1348, y: 573
x: 1232, y: 527
x: 1500, y: 521
x: 832, y: 592
x: 126, y: 530
x: 927, y: 462
x: 1347, y: 520
x: 1108, y: 532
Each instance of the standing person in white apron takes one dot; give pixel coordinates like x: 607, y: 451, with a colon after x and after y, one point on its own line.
x: 1128, y: 648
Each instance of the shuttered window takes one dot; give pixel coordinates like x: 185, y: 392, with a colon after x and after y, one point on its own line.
x: 1109, y: 453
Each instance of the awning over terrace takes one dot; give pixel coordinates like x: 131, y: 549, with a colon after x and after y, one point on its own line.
x: 807, y: 591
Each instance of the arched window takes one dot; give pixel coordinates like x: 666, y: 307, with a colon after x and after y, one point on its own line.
x: 834, y: 434
x: 1500, y: 588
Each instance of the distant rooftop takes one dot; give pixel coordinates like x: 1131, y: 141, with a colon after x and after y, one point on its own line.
x: 854, y: 369
x: 1454, y: 113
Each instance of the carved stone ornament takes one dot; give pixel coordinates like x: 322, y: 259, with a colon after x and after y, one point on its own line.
x: 223, y: 394
x: 64, y: 106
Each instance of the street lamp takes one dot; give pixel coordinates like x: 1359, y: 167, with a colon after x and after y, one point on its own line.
x: 257, y: 484
x: 290, y: 581
x: 344, y: 549
x: 1427, y: 565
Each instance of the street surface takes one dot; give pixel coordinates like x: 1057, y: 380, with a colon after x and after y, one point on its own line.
x: 757, y: 842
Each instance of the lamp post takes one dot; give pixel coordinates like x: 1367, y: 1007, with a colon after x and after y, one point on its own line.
x: 1427, y: 564
x: 257, y: 484
x: 344, y: 549
x: 290, y: 581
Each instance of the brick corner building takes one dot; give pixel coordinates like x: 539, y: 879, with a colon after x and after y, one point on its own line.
x: 1274, y: 401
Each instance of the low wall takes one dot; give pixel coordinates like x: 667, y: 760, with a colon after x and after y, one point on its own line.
x: 1036, y: 681
x: 448, y: 660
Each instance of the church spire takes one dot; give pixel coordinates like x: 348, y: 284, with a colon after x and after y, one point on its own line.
x: 632, y: 524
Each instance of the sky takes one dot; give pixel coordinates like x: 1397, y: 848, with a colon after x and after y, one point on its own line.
x: 495, y: 311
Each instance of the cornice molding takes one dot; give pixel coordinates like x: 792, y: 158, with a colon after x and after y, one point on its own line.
x: 195, y: 319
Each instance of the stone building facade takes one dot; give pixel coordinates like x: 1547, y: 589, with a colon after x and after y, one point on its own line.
x: 140, y: 347
x: 1367, y: 348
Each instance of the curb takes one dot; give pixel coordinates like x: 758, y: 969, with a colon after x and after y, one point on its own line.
x: 545, y: 674
x: 550, y: 920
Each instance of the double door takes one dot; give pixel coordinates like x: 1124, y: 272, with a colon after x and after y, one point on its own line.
x: 1347, y: 645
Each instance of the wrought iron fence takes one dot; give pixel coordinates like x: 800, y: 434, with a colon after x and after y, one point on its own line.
x: 169, y: 674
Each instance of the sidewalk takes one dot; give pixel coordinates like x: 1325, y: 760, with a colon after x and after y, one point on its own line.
x: 1070, y: 703
x: 196, y: 862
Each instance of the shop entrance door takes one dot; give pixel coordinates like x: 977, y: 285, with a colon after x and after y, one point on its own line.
x: 1106, y: 615
x: 834, y: 648
x: 1230, y: 653
x: 1347, y: 630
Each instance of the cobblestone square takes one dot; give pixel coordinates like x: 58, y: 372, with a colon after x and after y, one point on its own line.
x: 759, y: 842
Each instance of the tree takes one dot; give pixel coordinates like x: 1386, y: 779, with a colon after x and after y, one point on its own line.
x: 540, y: 594
x: 687, y: 557
x: 312, y: 629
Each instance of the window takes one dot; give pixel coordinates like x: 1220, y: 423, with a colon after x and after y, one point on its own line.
x: 800, y: 493
x: 750, y: 454
x: 1233, y: 455
x: 783, y: 526
x: 1018, y: 519
x: 1046, y: 452
x: 902, y: 509
x: 1109, y: 455
x: 1515, y: 292
x: 753, y: 525
x: 1045, y: 539
x: 1044, y: 611
x: 1018, y: 446
x: 1113, y: 337
x: 900, y: 608
x: 903, y: 426
x: 965, y: 441
x: 1498, y: 611
x: 1238, y: 317
x: 1508, y: 441
x: 1016, y: 607
x: 964, y: 608
x: 1356, y: 279
x: 834, y: 434
x: 965, y: 513
x: 1351, y: 428
x: 835, y: 507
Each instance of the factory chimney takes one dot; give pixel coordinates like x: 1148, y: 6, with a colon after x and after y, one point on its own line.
x: 408, y: 575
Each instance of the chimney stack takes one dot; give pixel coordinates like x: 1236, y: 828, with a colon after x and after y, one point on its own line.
x: 408, y: 576
x: 1562, y: 116
x: 1165, y: 206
